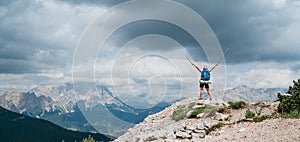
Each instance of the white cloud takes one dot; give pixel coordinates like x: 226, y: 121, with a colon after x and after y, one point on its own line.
x: 278, y: 3
x: 52, y: 75
x: 265, y: 75
x: 14, y: 82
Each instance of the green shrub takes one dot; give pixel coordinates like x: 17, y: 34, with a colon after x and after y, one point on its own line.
x: 210, y: 108
x: 289, y: 105
x: 249, y: 114
x: 199, y: 103
x: 191, y: 105
x: 237, y: 105
x: 196, y: 112
x: 293, y: 114
x: 179, y: 113
x: 213, y: 128
x: 222, y: 109
x: 206, y: 109
x: 261, y: 118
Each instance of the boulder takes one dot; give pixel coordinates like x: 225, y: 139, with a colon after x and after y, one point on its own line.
x: 191, y: 127
x: 220, y: 116
x: 198, y: 106
x: 207, y: 124
x: 189, y: 113
x: 195, y: 137
x: 202, y: 134
x: 200, y: 126
x: 200, y: 115
x: 199, y: 131
x: 183, y: 135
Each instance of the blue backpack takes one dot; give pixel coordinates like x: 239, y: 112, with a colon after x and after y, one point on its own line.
x: 205, y: 74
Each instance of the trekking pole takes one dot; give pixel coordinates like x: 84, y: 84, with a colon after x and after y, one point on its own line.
x: 188, y: 59
x: 223, y: 56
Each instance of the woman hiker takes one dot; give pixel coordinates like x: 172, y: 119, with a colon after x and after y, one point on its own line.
x: 205, y: 77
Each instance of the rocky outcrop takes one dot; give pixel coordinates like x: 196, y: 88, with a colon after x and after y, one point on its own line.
x: 210, y: 123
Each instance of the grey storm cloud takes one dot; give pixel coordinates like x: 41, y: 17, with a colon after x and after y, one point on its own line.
x: 254, y: 31
x: 34, y: 37
x: 250, y: 28
x: 136, y: 29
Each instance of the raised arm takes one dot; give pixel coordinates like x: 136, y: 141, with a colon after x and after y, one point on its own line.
x: 196, y: 67
x: 213, y: 67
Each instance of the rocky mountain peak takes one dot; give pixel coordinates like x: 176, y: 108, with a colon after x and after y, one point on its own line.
x: 249, y: 94
x: 49, y: 98
x: 194, y: 120
x: 12, y: 97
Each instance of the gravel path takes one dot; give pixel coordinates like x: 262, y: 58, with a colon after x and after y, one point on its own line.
x: 279, y: 130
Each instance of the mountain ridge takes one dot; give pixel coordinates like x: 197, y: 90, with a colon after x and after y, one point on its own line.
x: 60, y: 105
x: 18, y: 128
x: 63, y: 105
x: 249, y: 94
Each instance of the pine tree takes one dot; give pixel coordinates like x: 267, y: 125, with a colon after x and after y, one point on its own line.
x: 290, y: 103
x: 89, y: 139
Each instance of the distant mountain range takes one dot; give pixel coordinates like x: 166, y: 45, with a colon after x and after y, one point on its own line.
x: 248, y: 94
x: 21, y: 128
x: 68, y: 108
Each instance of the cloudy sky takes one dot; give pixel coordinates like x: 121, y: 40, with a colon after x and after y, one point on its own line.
x: 38, y: 41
